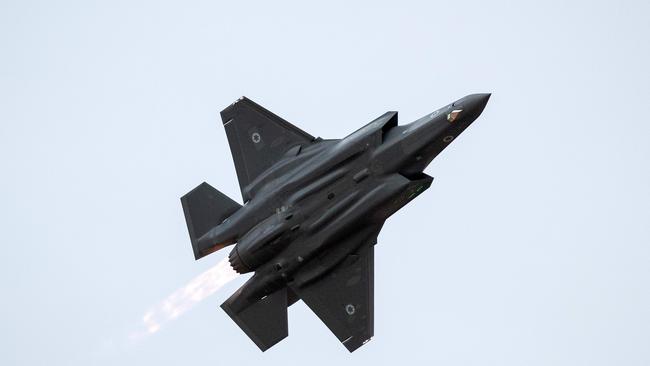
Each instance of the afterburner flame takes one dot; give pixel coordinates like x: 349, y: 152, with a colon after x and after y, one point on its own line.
x: 186, y: 297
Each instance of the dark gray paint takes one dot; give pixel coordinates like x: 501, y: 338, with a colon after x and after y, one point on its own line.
x: 313, y: 210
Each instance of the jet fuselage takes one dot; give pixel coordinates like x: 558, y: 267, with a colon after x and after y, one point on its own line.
x: 300, y: 209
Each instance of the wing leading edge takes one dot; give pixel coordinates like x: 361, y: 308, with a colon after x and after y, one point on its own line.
x: 338, y: 288
x: 258, y: 138
x: 344, y: 297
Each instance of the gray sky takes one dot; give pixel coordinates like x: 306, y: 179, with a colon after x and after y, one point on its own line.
x: 540, y: 251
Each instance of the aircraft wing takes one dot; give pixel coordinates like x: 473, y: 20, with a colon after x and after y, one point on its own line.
x: 338, y: 287
x: 344, y: 297
x: 257, y: 138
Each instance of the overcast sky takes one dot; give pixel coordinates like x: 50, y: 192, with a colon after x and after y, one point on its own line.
x: 531, y: 248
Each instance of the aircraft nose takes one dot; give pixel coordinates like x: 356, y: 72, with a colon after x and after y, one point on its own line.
x: 478, y: 101
x: 473, y: 104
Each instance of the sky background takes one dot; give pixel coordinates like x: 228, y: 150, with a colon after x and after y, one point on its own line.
x: 531, y: 248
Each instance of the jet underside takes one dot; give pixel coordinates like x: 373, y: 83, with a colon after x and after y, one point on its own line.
x: 312, y: 211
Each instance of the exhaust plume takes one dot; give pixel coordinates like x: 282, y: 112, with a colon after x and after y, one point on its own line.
x: 185, y: 298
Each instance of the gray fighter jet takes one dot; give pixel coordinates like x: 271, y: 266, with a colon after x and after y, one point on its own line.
x: 312, y: 211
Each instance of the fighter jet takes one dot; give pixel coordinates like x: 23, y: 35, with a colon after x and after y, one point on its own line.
x: 312, y: 211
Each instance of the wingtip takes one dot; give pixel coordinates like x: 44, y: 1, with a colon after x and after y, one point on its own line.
x: 352, y: 344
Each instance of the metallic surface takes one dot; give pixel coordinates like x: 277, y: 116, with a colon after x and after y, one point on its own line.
x: 313, y: 210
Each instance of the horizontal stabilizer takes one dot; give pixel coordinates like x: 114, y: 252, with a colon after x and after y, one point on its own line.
x: 204, y: 208
x: 264, y: 322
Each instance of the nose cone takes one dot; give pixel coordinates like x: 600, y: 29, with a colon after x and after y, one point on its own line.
x: 473, y: 105
x: 480, y: 100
